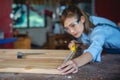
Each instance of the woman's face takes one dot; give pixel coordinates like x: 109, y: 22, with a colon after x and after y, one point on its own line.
x: 73, y: 26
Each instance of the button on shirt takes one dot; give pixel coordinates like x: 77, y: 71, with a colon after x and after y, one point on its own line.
x: 101, y: 36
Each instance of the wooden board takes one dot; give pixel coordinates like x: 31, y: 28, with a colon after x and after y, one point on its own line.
x: 32, y: 63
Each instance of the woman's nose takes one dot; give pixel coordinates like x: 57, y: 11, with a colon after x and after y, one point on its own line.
x: 71, y: 30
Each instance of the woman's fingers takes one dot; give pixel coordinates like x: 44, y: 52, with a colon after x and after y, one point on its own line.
x: 75, y: 71
x: 68, y: 67
x: 62, y: 66
x: 71, y: 43
x: 69, y: 71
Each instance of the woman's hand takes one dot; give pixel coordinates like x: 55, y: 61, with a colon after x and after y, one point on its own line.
x: 78, y: 44
x: 68, y: 67
x: 73, y: 42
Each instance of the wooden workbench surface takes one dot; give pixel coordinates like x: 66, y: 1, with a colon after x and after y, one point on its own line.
x: 108, y: 69
x: 33, y: 61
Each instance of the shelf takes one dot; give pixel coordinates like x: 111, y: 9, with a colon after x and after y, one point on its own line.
x: 59, y: 41
x: 7, y: 40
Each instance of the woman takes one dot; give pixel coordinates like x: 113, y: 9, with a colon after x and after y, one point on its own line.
x: 96, y: 32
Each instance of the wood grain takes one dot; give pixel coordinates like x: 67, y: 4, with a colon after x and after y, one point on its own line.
x: 38, y: 63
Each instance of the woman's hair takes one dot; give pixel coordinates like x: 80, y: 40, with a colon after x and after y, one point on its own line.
x: 74, y: 11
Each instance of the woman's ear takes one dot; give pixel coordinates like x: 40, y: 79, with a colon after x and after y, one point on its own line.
x: 82, y: 19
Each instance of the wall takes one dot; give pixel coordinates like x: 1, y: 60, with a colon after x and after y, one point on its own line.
x: 5, y: 21
x: 108, y: 8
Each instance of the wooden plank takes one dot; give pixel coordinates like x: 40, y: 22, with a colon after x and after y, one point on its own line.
x: 36, y: 63
x: 24, y: 70
x: 9, y: 53
x: 41, y: 63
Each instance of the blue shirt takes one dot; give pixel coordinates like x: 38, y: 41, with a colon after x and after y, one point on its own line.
x: 101, y: 36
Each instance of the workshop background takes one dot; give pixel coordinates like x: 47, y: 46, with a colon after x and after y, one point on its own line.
x: 34, y: 24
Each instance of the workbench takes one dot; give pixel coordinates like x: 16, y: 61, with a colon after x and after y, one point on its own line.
x: 108, y: 69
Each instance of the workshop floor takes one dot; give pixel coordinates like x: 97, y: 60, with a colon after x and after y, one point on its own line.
x: 108, y: 69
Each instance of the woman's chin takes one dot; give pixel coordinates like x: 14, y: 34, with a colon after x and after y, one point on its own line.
x: 76, y: 36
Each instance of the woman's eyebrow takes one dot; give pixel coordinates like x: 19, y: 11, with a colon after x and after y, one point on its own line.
x: 68, y: 25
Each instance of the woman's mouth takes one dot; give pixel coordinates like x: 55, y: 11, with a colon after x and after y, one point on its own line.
x: 75, y: 34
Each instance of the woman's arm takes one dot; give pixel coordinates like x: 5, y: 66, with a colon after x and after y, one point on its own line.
x: 71, y: 66
x: 83, y: 59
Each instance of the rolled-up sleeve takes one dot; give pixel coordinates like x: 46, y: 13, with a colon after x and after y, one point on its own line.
x: 96, y: 47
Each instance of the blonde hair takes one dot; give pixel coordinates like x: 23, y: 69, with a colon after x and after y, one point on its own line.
x: 73, y: 10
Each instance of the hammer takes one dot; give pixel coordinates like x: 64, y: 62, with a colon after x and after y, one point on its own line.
x: 20, y: 55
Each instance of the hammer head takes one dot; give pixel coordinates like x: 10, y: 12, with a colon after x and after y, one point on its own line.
x: 19, y: 55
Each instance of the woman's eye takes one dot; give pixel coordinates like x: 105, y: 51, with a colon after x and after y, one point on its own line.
x: 73, y: 25
x: 66, y: 28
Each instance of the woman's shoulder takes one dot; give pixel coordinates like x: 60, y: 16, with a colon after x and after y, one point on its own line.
x: 97, y: 20
x: 101, y: 31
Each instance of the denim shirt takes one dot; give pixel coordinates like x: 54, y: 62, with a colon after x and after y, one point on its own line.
x: 101, y: 36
